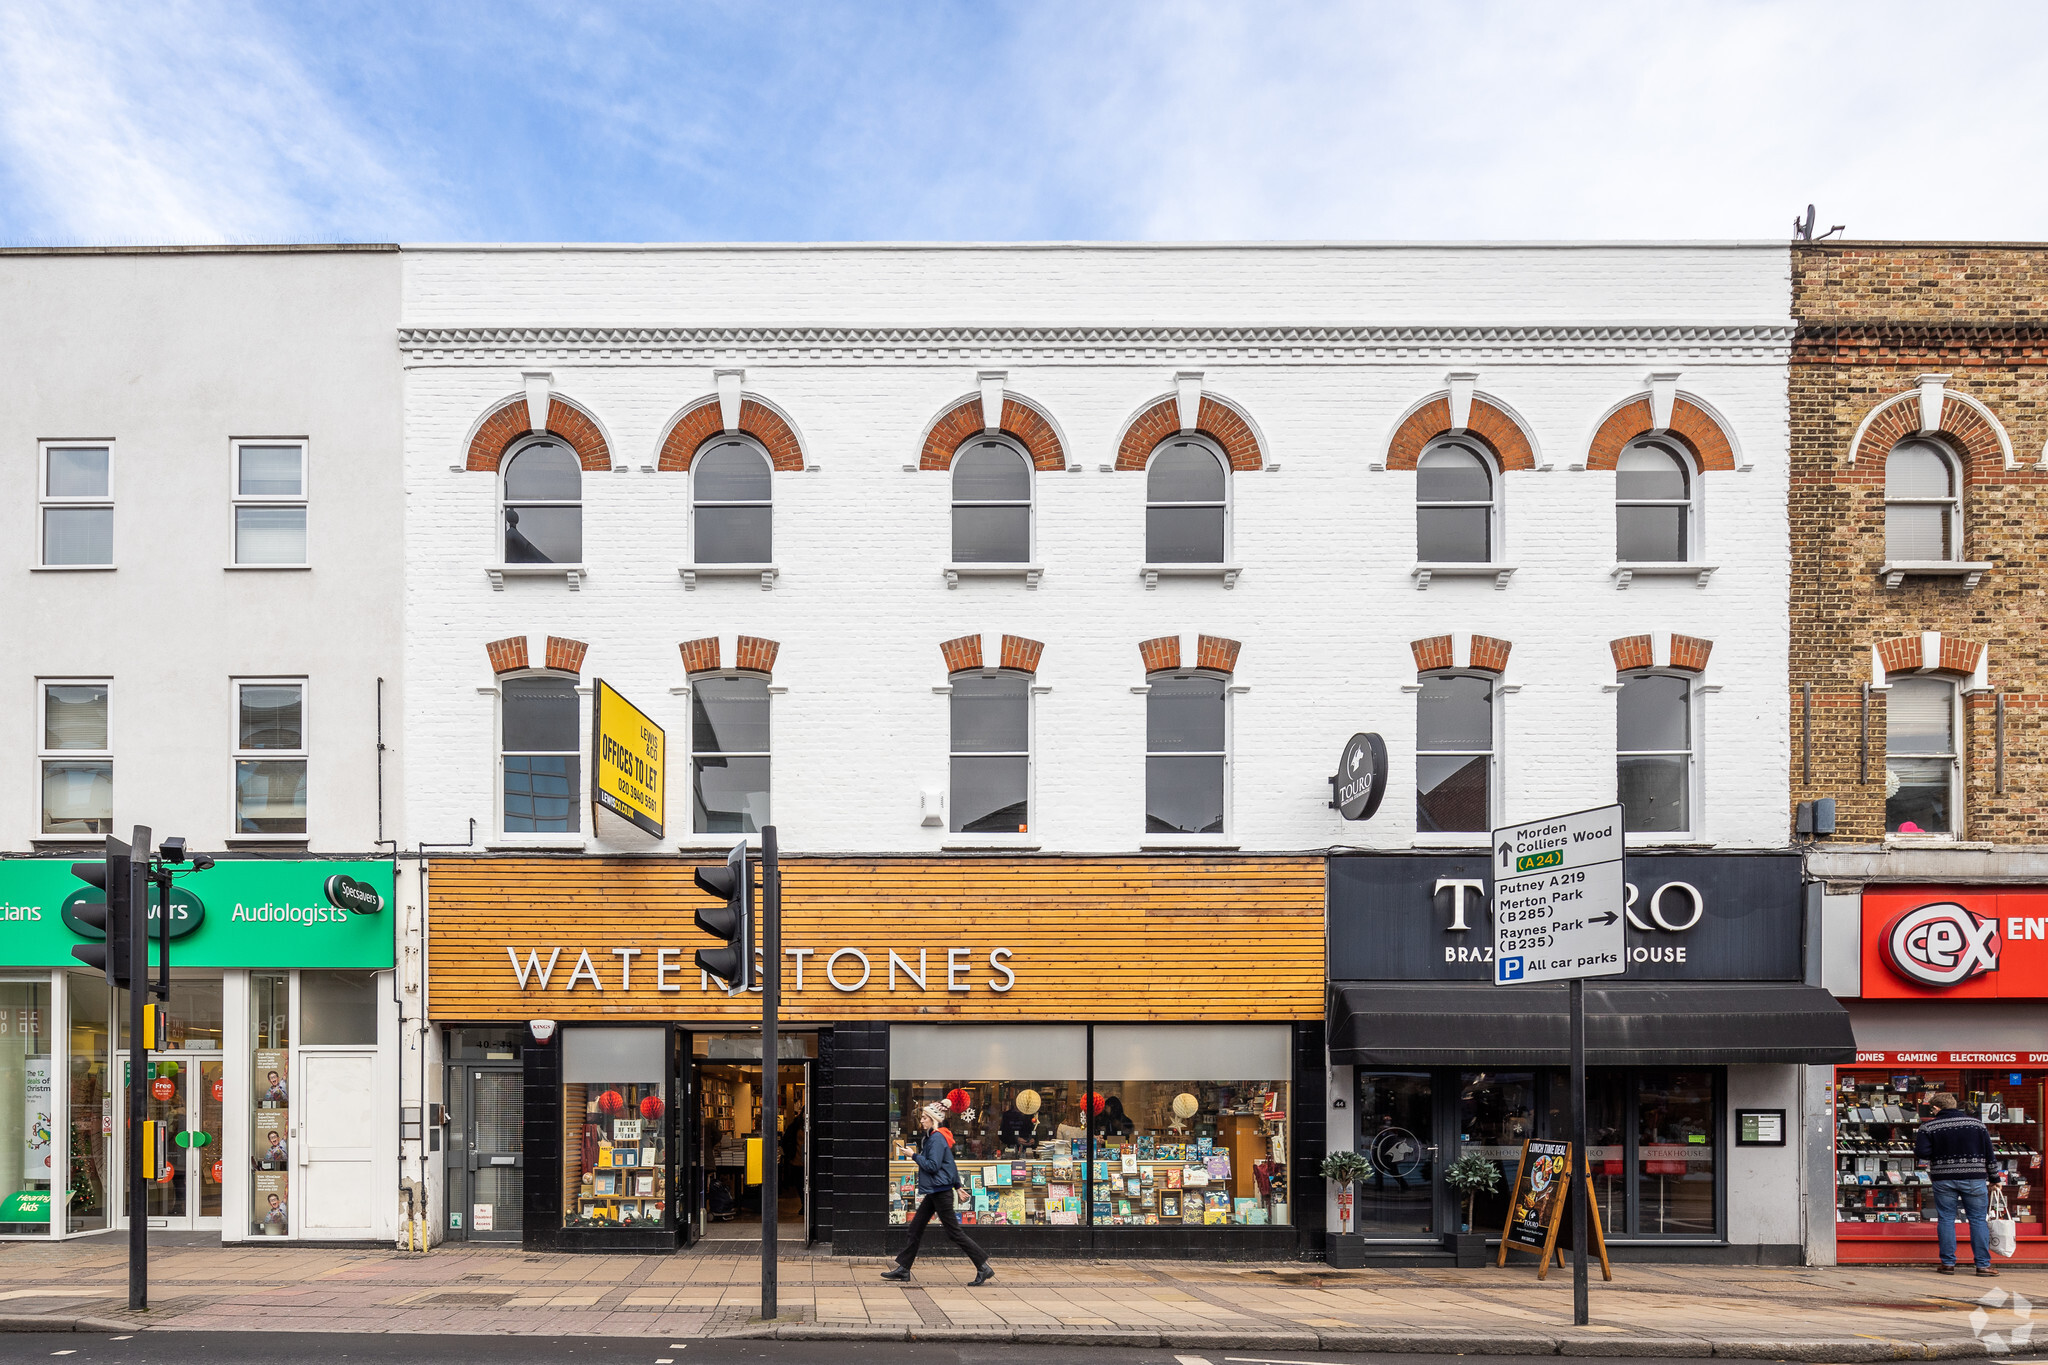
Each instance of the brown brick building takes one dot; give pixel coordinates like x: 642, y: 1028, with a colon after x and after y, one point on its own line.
x: 1919, y: 673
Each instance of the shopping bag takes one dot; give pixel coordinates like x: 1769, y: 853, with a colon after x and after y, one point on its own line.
x: 2004, y: 1231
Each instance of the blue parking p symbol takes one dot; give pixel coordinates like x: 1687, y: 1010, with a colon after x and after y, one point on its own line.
x: 1510, y: 969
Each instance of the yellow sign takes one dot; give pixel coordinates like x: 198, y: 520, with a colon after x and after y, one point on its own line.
x: 626, y: 777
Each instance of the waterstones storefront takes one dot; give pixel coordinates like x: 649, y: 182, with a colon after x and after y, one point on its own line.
x: 274, y: 1091
x: 1133, y: 1047
x: 1708, y: 1059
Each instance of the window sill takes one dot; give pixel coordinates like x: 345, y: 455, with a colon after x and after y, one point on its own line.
x: 72, y: 568
x: 561, y: 844
x: 1930, y: 841
x: 1009, y: 843
x: 498, y: 573
x: 1499, y: 573
x: 1895, y: 572
x: 1622, y: 573
x: 1665, y: 841
x: 1167, y: 842
x: 80, y: 840
x: 272, y: 839
x: 767, y: 573
x: 1154, y: 572
x: 1028, y: 572
x: 714, y: 843
x: 1474, y: 839
x: 259, y: 568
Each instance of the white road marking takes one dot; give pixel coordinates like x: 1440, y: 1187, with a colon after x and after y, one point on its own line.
x: 71, y: 1352
x: 664, y: 1360
x: 1268, y: 1360
x: 1191, y: 1360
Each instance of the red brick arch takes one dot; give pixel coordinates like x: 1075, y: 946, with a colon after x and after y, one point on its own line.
x: 1019, y: 653
x: 1434, y: 653
x: 1962, y: 426
x: 1688, y: 653
x: 1022, y: 423
x: 1698, y: 432
x: 1494, y: 429
x: 509, y: 421
x: 1902, y: 655
x: 1218, y: 420
x: 704, y: 419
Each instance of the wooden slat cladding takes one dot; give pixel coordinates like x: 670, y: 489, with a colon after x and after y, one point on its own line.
x: 1038, y: 938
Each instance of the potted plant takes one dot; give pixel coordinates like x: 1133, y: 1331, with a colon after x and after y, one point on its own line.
x: 1469, y: 1175
x: 1345, y: 1169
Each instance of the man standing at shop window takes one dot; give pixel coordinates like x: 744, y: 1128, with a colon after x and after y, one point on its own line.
x: 1955, y: 1147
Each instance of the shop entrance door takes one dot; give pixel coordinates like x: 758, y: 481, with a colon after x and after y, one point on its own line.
x: 1397, y: 1134
x: 186, y: 1093
x: 486, y: 1161
x: 727, y: 1129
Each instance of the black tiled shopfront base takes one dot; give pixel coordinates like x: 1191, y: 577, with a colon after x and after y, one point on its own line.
x: 1038, y: 1243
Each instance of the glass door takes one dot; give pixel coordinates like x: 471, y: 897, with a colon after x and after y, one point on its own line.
x: 185, y: 1095
x: 1496, y: 1114
x: 1397, y: 1135
x: 496, y: 1112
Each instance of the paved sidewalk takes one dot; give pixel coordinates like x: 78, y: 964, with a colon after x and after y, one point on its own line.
x: 1862, y: 1313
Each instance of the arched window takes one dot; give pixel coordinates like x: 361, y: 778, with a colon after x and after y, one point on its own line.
x: 1653, y: 745
x: 1920, y: 757
x: 1922, y: 513
x: 541, y: 755
x: 732, y: 503
x: 1454, y: 749
x: 1454, y: 504
x: 543, y: 495
x: 991, y: 753
x: 1653, y: 512
x: 1187, y: 496
x: 991, y: 504
x: 729, y: 755
x: 1186, y: 748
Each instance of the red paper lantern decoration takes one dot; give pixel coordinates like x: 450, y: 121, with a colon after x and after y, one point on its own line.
x: 651, y: 1108
x: 610, y: 1102
x: 1096, y: 1103
x: 959, y: 1100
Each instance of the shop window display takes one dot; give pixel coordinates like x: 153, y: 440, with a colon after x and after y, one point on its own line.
x: 1019, y: 1145
x: 1877, y: 1117
x: 614, y: 1129
x: 1191, y: 1152
x: 27, y: 1108
x: 270, y: 1116
x: 92, y: 1104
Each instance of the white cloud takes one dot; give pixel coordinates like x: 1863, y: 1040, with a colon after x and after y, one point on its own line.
x: 179, y: 122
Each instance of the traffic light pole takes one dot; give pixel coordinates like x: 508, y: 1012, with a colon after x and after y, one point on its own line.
x: 771, y: 1049
x: 138, y: 1068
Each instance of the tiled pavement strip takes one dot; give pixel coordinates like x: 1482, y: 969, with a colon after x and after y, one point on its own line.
x: 1831, y: 1314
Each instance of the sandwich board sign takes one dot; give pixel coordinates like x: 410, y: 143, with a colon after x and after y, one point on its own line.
x: 1536, y: 1208
x: 1558, y: 898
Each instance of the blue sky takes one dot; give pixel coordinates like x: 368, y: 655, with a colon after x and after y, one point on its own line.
x: 1121, y: 119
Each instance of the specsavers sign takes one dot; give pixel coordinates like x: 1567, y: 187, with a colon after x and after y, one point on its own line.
x: 626, y: 776
x: 237, y: 913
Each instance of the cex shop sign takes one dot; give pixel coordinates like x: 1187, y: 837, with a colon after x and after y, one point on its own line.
x: 1955, y: 941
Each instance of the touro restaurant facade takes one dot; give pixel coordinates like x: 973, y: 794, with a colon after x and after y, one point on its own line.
x: 1945, y: 984
x: 1133, y: 1047
x: 1704, y: 1057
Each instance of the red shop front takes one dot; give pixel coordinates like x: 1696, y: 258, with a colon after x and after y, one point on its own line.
x: 1968, y: 959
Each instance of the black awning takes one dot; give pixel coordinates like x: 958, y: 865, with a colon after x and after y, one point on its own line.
x: 1463, y: 1023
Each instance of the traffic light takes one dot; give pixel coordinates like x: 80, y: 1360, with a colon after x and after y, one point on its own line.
x: 116, y: 883
x: 731, y: 923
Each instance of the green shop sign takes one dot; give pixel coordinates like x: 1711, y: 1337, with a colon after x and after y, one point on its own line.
x: 245, y: 912
x: 26, y: 1206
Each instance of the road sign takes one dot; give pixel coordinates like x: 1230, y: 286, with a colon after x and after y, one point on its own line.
x: 1558, y: 898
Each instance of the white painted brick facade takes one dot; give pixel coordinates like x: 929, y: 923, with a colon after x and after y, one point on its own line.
x: 1326, y: 606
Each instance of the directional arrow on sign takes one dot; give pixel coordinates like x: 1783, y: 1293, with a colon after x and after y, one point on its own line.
x: 1607, y: 918
x: 1507, y: 853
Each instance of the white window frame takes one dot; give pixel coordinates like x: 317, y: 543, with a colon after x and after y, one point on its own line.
x: 1695, y: 552
x: 1951, y: 505
x: 1954, y: 757
x: 504, y: 838
x: 954, y: 502
x: 1496, y: 733
x: 238, y: 755
x: 1029, y: 835
x: 1496, y: 516
x: 1696, y: 688
x: 1228, y: 834
x: 44, y: 502
x: 238, y: 499
x: 769, y: 688
x: 1206, y: 566
x: 46, y: 754
x: 580, y: 502
x: 732, y: 565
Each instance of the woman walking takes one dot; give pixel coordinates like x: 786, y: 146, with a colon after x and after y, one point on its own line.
x: 937, y: 1179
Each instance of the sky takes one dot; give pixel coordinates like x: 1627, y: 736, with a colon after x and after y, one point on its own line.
x: 169, y: 121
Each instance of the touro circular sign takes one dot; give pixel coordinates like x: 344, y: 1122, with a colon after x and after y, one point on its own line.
x: 1361, y: 777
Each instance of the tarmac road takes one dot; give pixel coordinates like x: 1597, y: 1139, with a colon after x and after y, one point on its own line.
x: 264, y: 1348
